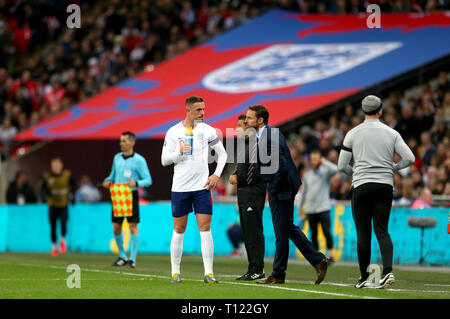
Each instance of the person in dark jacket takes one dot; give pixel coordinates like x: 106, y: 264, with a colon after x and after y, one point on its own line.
x: 278, y: 169
x: 251, y: 192
x: 58, y: 187
x: 20, y: 191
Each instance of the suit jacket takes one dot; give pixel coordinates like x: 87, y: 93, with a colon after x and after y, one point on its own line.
x: 253, y: 194
x: 285, y: 181
x: 242, y: 169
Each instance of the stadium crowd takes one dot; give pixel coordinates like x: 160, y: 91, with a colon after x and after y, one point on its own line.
x: 46, y: 68
x: 423, y: 121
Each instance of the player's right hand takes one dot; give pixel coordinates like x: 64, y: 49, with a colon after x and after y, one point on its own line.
x: 106, y: 184
x: 233, y: 179
x: 185, y: 148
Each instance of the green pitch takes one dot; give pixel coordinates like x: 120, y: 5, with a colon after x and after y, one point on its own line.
x: 43, y: 276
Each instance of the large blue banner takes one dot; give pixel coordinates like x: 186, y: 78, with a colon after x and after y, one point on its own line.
x: 26, y: 229
x: 292, y: 63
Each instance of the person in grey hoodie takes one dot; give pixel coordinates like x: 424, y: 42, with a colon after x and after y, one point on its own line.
x: 372, y: 145
x: 315, y: 198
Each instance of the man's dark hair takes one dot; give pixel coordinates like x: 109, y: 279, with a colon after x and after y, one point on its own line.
x: 316, y: 151
x: 131, y: 135
x: 261, y: 111
x: 56, y: 158
x: 18, y: 174
x: 192, y: 100
x: 242, y: 117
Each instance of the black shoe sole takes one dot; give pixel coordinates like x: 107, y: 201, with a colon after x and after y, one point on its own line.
x: 253, y: 279
x: 387, y: 283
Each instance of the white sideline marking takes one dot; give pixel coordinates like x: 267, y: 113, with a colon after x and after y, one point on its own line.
x: 439, y: 285
x: 303, y: 282
x: 222, y: 282
x: 302, y: 290
x: 351, y: 285
x: 432, y: 291
x: 48, y: 279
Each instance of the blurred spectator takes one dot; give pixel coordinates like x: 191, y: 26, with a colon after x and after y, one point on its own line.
x: 28, y: 90
x: 7, y: 132
x: 20, y: 191
x: 407, y: 193
x: 407, y: 123
x: 424, y: 201
x: 24, y: 103
x: 426, y: 149
x: 54, y: 93
x: 87, y: 192
x: 309, y: 138
x: 236, y: 238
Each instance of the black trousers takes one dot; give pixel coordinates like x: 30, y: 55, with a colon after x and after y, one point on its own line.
x: 324, y: 219
x: 251, y: 201
x: 56, y: 213
x: 372, y: 202
x: 285, y: 229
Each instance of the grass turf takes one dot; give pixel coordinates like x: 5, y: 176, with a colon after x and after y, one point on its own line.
x: 24, y: 276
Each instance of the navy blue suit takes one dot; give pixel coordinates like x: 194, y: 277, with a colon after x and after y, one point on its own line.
x: 282, y: 186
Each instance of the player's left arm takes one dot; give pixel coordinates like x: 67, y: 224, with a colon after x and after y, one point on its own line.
x: 346, y: 154
x: 402, y: 149
x: 217, y: 146
x: 145, y: 179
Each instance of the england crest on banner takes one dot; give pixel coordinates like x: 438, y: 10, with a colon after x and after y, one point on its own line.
x: 284, y: 65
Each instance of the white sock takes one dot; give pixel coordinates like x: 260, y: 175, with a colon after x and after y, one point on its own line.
x: 207, y: 251
x: 176, y: 251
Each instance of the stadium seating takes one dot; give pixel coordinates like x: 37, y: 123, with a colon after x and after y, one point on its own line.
x: 46, y: 68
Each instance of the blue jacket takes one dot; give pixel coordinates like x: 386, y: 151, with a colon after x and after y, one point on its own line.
x: 285, y: 181
x: 134, y: 167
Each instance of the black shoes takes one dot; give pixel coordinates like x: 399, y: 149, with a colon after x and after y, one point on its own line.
x: 243, y: 277
x: 131, y: 263
x: 271, y: 280
x: 386, y: 281
x: 251, y: 276
x: 361, y: 283
x: 321, y: 270
x: 119, y: 262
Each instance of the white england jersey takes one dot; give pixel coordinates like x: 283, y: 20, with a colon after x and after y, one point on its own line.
x: 191, y: 172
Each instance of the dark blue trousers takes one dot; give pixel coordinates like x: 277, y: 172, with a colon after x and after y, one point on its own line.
x: 285, y: 229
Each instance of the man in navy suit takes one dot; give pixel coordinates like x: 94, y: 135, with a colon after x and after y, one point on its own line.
x: 278, y: 170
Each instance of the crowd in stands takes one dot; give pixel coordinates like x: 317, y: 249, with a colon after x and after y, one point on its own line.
x: 46, y: 68
x: 423, y: 121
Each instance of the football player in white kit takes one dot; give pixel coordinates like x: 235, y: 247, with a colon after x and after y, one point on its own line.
x: 191, y: 182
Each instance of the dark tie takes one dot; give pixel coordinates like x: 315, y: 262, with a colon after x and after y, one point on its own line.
x: 251, y: 167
